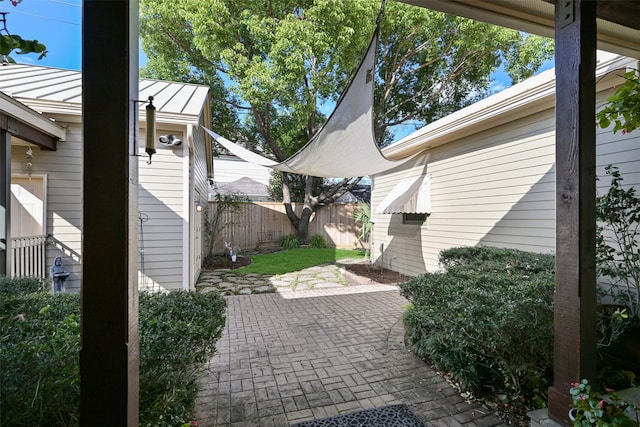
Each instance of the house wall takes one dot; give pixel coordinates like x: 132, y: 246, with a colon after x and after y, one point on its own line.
x: 495, y: 188
x: 200, y: 193
x: 63, y: 172
x: 163, y: 213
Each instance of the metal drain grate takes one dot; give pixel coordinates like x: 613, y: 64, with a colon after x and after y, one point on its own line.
x: 387, y: 416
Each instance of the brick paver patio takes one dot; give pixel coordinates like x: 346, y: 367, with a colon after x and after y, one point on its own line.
x: 297, y: 356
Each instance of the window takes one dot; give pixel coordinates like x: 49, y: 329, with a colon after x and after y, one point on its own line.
x: 414, y: 218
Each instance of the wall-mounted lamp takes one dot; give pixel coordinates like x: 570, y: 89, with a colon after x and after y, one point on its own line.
x: 199, y: 206
x: 150, y: 142
x: 150, y: 139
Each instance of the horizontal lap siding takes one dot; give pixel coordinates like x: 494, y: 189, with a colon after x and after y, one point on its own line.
x: 64, y: 198
x: 161, y: 199
x: 494, y: 188
x: 201, y: 186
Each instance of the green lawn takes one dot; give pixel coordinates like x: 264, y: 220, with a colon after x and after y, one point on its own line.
x: 296, y: 259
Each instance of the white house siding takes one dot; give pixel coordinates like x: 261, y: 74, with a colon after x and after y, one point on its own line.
x: 200, y: 193
x: 161, y: 204
x: 63, y: 171
x: 495, y: 188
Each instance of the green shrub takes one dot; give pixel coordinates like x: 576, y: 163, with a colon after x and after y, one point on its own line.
x: 290, y: 241
x: 178, y: 333
x: 488, y: 320
x: 317, y: 241
x: 39, y: 350
x: 22, y: 285
x: 40, y: 344
x: 618, y: 242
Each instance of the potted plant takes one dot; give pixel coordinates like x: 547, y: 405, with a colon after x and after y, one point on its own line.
x: 594, y: 409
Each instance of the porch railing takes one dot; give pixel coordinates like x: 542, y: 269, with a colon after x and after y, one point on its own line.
x: 29, y: 256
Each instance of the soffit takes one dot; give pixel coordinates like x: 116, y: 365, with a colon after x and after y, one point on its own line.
x: 618, y: 23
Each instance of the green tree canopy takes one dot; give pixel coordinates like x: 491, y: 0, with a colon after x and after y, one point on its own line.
x: 286, y: 62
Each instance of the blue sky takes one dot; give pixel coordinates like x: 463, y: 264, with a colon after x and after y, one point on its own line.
x: 57, y: 24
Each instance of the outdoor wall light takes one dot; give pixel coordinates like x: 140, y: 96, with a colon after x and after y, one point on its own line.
x: 170, y: 140
x: 199, y: 206
x: 150, y: 138
x: 150, y: 142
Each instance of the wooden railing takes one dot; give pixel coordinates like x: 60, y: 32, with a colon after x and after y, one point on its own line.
x: 29, y: 256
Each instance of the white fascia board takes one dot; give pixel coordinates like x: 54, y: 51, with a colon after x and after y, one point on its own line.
x: 485, y: 114
x: 528, y: 97
x: 23, y: 113
x: 57, y: 107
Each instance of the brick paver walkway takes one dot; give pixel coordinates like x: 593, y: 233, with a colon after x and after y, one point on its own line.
x: 296, y: 356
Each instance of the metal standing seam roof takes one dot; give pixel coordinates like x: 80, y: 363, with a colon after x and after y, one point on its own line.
x: 36, y: 84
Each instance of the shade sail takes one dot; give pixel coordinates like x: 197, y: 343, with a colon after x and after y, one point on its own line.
x: 345, y: 146
x: 410, y: 195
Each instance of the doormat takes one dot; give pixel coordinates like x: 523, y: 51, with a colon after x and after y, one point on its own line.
x: 387, y: 416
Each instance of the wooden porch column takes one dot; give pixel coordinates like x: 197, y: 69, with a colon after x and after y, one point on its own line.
x: 109, y: 358
x: 575, y: 297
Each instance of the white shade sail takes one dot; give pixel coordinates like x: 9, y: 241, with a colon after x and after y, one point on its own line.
x: 345, y: 146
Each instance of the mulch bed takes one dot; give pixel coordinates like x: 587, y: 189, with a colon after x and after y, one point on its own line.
x: 375, y: 273
x: 219, y: 262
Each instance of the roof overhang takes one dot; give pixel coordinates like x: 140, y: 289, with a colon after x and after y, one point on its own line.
x: 618, y: 26
x: 29, y: 125
x: 523, y: 99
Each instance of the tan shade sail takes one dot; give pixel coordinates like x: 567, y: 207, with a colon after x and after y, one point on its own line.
x: 410, y: 195
x: 345, y: 146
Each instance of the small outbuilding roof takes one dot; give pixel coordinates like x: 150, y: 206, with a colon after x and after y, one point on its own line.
x: 58, y: 90
x: 247, y: 186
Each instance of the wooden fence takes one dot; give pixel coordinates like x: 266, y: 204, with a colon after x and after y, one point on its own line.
x: 260, y: 224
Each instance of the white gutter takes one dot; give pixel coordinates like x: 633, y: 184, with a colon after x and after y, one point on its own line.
x: 528, y: 97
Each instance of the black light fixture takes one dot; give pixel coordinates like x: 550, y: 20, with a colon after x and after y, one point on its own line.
x: 150, y: 142
x: 150, y: 138
x: 199, y: 206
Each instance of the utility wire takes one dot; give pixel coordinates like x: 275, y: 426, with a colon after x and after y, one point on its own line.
x: 47, y: 18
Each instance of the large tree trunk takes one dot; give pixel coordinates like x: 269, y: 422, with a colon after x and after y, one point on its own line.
x: 301, y: 223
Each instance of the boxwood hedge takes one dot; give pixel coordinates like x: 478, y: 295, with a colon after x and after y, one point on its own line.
x: 40, y: 347
x: 487, y: 319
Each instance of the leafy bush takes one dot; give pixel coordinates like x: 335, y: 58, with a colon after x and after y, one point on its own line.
x: 623, y: 107
x: 40, y: 353
x: 178, y: 333
x: 22, y: 285
x: 290, y: 241
x: 487, y: 319
x: 40, y: 344
x: 317, y: 241
x: 362, y: 216
x: 618, y: 242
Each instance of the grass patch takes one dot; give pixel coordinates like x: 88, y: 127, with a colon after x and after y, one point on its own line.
x: 296, y: 259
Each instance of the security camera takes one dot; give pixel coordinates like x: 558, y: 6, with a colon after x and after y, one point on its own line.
x: 170, y: 140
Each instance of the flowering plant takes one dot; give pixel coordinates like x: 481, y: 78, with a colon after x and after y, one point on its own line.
x: 593, y: 409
